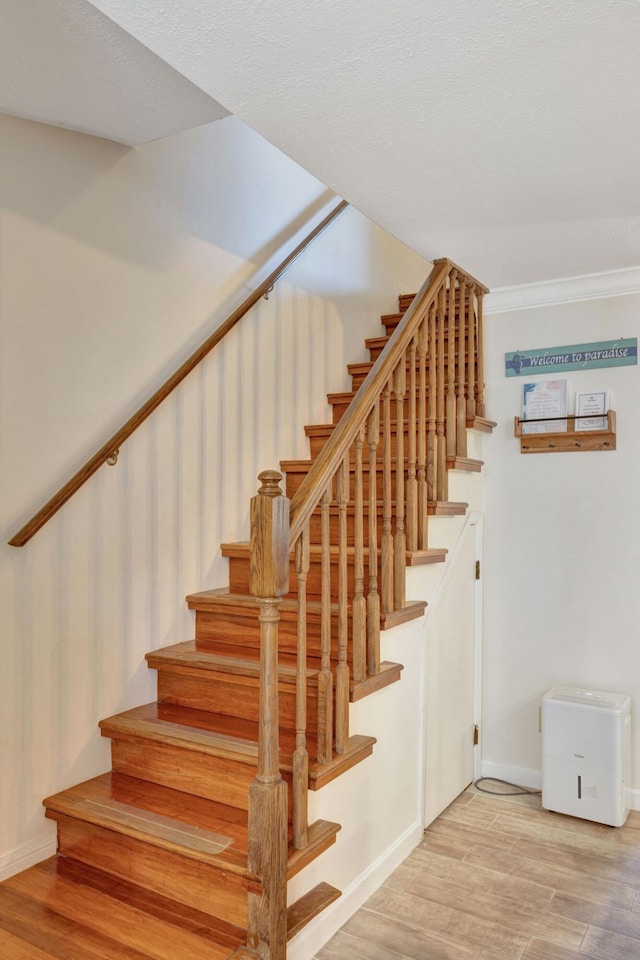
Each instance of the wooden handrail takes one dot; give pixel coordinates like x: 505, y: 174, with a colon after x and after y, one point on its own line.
x: 111, y: 447
x: 326, y: 464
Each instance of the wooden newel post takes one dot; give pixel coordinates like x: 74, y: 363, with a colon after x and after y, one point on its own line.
x: 269, y: 581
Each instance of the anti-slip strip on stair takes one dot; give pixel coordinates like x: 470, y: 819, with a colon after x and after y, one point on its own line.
x: 156, y: 825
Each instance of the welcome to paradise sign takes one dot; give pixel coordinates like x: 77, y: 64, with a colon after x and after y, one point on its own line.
x: 577, y: 356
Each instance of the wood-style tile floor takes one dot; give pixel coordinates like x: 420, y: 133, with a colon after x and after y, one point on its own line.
x: 499, y: 878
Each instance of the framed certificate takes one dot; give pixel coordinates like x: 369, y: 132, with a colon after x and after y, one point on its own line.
x: 543, y: 403
x: 588, y: 406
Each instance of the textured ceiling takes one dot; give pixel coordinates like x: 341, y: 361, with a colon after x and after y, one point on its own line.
x: 501, y: 133
x: 67, y: 64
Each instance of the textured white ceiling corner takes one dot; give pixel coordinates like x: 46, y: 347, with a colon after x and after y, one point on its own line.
x: 501, y: 133
x: 67, y: 64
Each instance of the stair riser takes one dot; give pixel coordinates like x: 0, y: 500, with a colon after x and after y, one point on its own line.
x: 243, y: 630
x: 376, y: 350
x: 215, y: 892
x: 340, y: 406
x: 232, y: 697
x: 239, y: 578
x: 316, y: 443
x: 358, y: 378
x: 216, y: 778
x: 315, y: 526
x: 295, y: 477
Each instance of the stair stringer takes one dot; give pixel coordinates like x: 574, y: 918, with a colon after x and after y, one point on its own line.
x: 379, y: 803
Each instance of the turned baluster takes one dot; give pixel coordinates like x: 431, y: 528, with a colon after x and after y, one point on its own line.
x: 386, y: 549
x: 325, y: 677
x: 480, y: 409
x: 472, y: 360
x: 432, y: 454
x: 441, y: 445
x: 373, y: 597
x: 301, y: 756
x: 422, y: 435
x: 461, y: 400
x: 359, y: 606
x: 400, y: 539
x: 412, y: 480
x: 342, y: 669
x: 267, y: 847
x: 451, y: 367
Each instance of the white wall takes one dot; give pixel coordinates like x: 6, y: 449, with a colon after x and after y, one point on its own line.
x: 562, y: 542
x: 115, y: 264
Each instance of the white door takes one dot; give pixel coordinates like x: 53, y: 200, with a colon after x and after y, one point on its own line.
x: 450, y: 681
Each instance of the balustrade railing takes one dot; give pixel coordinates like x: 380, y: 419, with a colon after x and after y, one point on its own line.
x: 386, y: 458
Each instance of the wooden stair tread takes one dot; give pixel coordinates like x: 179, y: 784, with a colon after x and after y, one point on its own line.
x: 245, y: 663
x: 314, y: 430
x: 211, y: 600
x: 71, y: 920
x: 320, y: 835
x: 419, y: 558
x: 358, y: 748
x: 453, y: 463
x: 465, y: 463
x: 241, y: 550
x: 190, y: 729
x: 412, y: 610
x: 188, y: 918
x: 447, y: 508
x: 389, y: 673
x: 153, y: 797
x: 481, y: 424
x: 96, y: 802
x: 211, y: 733
x: 309, y: 906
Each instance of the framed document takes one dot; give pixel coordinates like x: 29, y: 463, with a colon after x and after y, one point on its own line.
x: 588, y: 406
x: 545, y: 404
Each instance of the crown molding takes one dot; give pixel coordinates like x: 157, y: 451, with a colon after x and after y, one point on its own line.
x: 592, y: 286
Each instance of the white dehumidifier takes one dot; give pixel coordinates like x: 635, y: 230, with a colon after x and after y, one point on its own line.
x: 586, y: 754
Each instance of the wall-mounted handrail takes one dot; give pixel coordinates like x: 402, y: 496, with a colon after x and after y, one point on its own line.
x: 110, y: 449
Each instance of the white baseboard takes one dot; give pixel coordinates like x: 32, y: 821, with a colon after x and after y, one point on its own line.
x: 26, y: 855
x: 523, y: 776
x: 634, y: 799
x: 307, y: 943
x: 526, y: 777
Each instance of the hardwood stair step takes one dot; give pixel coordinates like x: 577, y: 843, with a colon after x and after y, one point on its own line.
x: 296, y: 471
x: 481, y: 424
x: 465, y: 463
x: 45, y: 912
x: 196, y: 730
x: 389, y: 673
x: 226, y: 935
x: 447, y: 508
x: 358, y: 749
x: 300, y: 913
x: 227, y: 622
x: 375, y: 345
x: 229, y: 685
x: 239, y: 557
x: 359, y: 372
x: 196, y: 828
x: 196, y: 752
x: 340, y: 401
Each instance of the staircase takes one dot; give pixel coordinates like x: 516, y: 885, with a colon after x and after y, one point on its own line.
x: 191, y: 838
